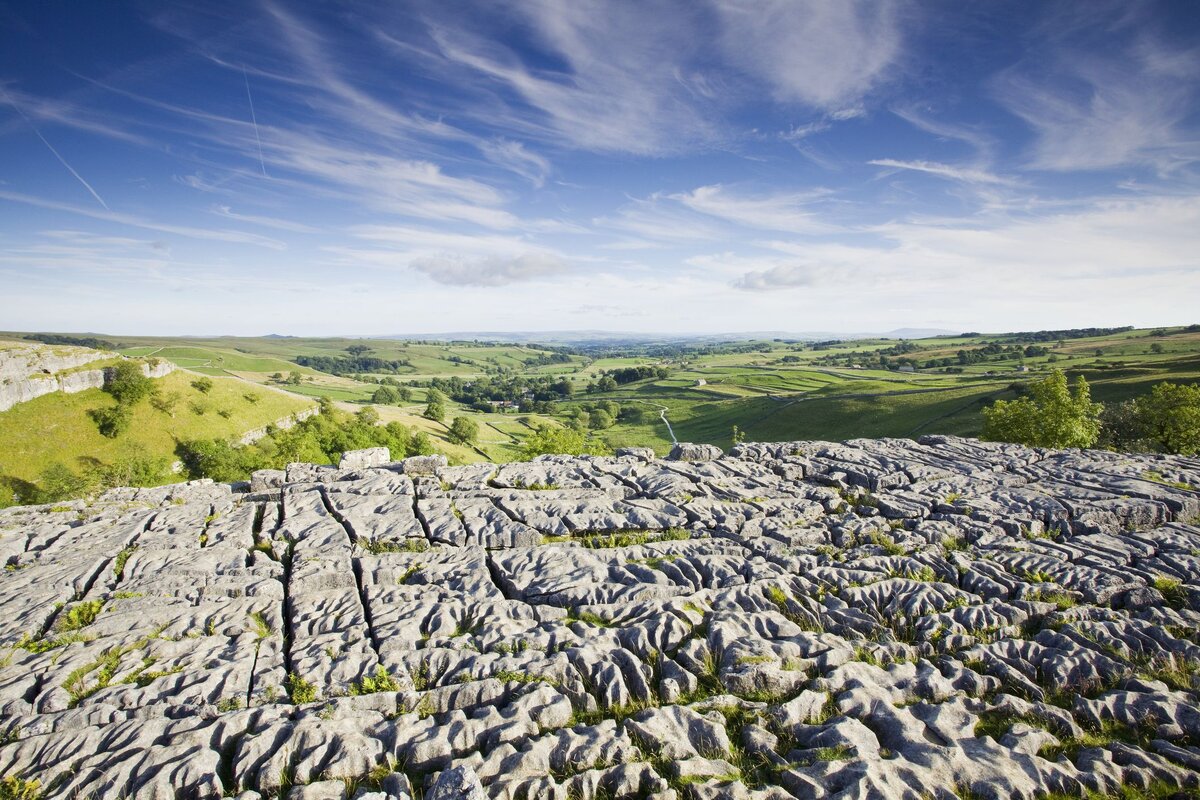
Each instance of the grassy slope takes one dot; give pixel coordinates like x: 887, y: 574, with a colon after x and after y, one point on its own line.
x: 56, y: 427
x: 256, y: 359
x: 766, y: 397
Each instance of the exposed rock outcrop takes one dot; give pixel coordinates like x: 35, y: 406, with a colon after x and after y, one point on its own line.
x: 29, y: 371
x: 890, y: 619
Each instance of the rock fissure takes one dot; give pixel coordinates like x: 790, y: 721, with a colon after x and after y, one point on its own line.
x: 879, y: 618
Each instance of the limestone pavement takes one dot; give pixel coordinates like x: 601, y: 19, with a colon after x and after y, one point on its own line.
x: 871, y: 619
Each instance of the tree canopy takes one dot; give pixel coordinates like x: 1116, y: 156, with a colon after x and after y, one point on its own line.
x: 464, y: 431
x: 128, y: 384
x: 1052, y: 415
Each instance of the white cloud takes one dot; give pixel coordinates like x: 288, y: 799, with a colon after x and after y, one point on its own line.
x: 655, y: 222
x: 456, y: 270
x: 824, y: 54
x: 1090, y: 112
x: 782, y: 212
x: 266, y: 222
x: 215, y: 234
x: 398, y: 185
x: 515, y: 157
x: 963, y: 174
x: 982, y: 144
x: 620, y: 89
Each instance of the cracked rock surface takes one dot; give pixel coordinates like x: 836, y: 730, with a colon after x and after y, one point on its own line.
x: 870, y: 619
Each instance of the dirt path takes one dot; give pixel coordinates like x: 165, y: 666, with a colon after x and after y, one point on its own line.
x: 662, y: 412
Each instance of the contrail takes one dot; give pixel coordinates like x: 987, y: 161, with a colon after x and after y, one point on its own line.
x: 254, y: 120
x: 57, y: 155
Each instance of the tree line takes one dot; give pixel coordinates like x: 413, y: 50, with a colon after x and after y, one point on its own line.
x: 1054, y: 414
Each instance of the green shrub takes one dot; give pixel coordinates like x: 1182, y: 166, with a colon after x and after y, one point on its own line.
x: 14, y: 788
x: 1053, y: 416
x: 112, y: 421
x: 127, y: 384
x: 381, y: 681
x: 299, y: 690
x: 463, y: 431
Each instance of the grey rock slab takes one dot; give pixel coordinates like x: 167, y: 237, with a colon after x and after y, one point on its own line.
x: 877, y: 600
x: 457, y: 783
x: 370, y: 457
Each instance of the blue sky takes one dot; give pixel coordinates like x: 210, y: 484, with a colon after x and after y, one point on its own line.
x: 691, y: 166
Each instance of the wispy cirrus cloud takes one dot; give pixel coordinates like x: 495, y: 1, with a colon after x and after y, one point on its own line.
x: 453, y: 258
x: 948, y: 171
x: 983, y: 144
x: 782, y: 211
x: 637, y: 103
x: 266, y: 222
x: 1102, y: 243
x: 135, y: 221
x: 1130, y: 106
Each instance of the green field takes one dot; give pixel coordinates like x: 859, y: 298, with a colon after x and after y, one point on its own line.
x: 56, y: 428
x: 771, y: 390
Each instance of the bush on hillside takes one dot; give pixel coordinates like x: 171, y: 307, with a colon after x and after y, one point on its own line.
x: 385, y: 395
x: 112, y: 421
x: 548, y: 439
x: 59, y: 482
x: 320, y: 439
x: 1051, y: 416
x: 464, y: 431
x: 435, y: 411
x: 127, y: 384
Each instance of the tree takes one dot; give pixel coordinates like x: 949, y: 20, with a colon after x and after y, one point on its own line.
x: 1122, y: 427
x: 549, y: 439
x: 112, y: 420
x: 294, y: 378
x: 58, y: 482
x: 737, y: 436
x: 600, y: 420
x: 357, y: 350
x: 130, y: 469
x: 128, y: 384
x: 464, y: 431
x: 165, y: 402
x: 214, y: 458
x: 578, y: 421
x: 1170, y: 417
x: 1156, y: 348
x: 420, y: 445
x: 435, y: 411
x: 1052, y: 416
x: 633, y: 415
x: 385, y: 395
x: 203, y: 385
